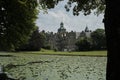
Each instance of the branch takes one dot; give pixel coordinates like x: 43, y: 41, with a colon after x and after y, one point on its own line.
x: 103, y: 1
x: 23, y: 2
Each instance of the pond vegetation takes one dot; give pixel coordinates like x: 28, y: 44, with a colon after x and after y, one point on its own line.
x: 36, y: 66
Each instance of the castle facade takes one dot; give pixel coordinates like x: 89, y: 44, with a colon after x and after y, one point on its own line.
x: 63, y: 40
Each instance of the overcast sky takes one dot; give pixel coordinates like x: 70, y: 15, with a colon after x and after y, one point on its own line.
x: 51, y: 21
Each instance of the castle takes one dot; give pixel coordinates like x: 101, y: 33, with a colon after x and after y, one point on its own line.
x: 63, y: 40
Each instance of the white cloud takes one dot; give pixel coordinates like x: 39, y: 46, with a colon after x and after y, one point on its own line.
x: 53, y: 14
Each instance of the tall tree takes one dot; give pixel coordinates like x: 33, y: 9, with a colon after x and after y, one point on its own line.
x: 17, y: 21
x: 99, y: 39
x: 35, y: 42
x: 112, y: 28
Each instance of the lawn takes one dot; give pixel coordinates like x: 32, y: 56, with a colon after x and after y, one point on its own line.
x: 84, y: 53
x: 37, y: 66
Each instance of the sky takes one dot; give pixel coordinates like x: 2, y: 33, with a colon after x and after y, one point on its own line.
x: 51, y: 21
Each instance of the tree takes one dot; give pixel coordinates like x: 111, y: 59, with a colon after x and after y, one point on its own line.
x: 84, y: 44
x: 112, y: 29
x: 35, y: 42
x: 17, y: 21
x: 98, y: 39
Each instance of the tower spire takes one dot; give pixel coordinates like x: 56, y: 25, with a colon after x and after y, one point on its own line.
x: 86, y: 29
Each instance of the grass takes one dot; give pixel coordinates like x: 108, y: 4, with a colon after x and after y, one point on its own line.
x: 51, y: 52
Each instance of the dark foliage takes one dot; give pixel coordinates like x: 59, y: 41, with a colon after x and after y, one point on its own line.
x: 84, y: 44
x: 36, y: 41
x: 16, y: 22
x: 98, y: 39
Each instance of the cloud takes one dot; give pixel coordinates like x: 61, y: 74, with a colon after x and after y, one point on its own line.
x: 59, y: 15
x: 53, y: 14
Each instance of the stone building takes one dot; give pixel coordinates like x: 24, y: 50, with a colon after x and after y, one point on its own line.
x: 63, y: 40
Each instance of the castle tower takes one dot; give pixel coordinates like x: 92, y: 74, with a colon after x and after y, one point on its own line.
x: 61, y: 29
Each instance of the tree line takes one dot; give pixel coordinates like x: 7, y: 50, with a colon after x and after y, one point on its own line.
x: 96, y: 41
x: 37, y: 40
